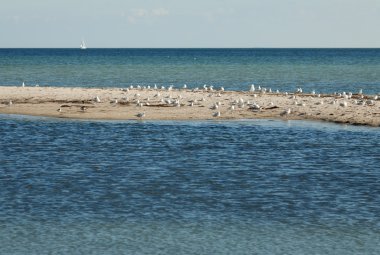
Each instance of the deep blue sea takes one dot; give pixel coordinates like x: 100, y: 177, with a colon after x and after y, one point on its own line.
x: 324, y: 70
x: 189, y: 187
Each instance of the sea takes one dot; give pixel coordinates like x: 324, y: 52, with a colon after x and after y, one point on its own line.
x: 189, y: 187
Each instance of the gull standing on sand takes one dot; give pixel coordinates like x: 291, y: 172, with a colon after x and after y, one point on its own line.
x: 216, y: 114
x: 286, y: 112
x: 343, y: 104
x: 141, y: 115
x: 114, y: 102
x: 255, y: 106
x: 214, y: 107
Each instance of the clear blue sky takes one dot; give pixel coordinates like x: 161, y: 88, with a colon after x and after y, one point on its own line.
x: 195, y: 23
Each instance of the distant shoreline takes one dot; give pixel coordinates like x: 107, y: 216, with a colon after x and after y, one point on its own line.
x: 200, y: 48
x: 186, y: 104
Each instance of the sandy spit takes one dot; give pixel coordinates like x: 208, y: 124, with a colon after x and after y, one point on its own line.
x: 185, y: 104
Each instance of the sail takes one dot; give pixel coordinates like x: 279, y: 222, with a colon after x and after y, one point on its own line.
x: 83, y: 45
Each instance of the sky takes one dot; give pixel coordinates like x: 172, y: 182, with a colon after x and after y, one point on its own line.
x: 190, y: 24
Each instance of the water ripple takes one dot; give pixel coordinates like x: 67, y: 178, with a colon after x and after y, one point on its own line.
x: 259, y: 172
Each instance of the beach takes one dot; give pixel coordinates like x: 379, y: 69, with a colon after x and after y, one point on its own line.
x: 188, y: 104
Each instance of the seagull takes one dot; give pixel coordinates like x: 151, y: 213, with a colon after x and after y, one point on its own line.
x: 184, y: 86
x: 319, y: 103
x: 83, y: 108
x: 141, y: 115
x: 255, y: 106
x: 214, y: 107
x: 232, y: 108
x: 97, y: 99
x: 10, y: 103
x: 23, y: 84
x: 286, y: 112
x: 343, y: 104
x: 59, y: 109
x: 216, y: 114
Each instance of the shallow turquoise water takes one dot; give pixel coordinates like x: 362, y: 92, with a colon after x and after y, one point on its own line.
x: 324, y: 70
x: 207, y: 187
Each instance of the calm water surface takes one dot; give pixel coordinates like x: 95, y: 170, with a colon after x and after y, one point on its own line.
x: 238, y: 187
x: 325, y: 70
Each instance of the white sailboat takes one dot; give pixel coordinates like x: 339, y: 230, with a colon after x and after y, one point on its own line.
x: 83, y: 45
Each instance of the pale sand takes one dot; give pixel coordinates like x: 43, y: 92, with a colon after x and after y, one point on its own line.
x: 45, y: 101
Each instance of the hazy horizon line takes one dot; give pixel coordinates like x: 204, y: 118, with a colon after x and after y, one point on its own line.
x: 89, y: 48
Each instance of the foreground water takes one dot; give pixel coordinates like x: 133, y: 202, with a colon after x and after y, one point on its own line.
x: 323, y: 70
x: 239, y: 187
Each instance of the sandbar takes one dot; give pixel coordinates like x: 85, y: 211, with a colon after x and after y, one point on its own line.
x: 187, y: 104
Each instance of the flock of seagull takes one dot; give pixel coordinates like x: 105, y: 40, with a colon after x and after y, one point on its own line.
x: 168, y: 100
x: 162, y: 98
